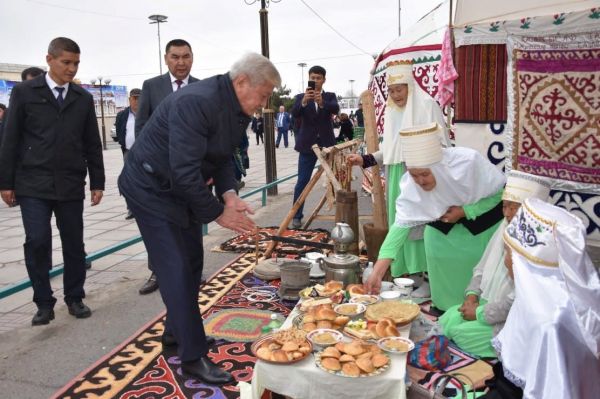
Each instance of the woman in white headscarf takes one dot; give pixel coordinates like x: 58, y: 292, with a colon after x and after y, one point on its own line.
x: 456, y: 193
x: 550, y: 343
x: 407, y: 105
x: 490, y: 294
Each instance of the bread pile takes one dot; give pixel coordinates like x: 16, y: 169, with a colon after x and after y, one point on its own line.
x: 323, y: 316
x: 284, y: 346
x: 382, y: 329
x: 353, y: 359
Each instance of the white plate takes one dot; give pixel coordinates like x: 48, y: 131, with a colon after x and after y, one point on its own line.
x: 381, y: 343
x: 362, y: 299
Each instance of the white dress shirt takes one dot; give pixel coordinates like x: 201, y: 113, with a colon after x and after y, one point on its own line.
x: 130, y: 130
x: 173, y: 79
x: 53, y: 85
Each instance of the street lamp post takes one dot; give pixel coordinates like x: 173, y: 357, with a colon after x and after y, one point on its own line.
x: 352, y: 91
x: 158, y: 19
x: 101, y: 83
x: 302, y: 65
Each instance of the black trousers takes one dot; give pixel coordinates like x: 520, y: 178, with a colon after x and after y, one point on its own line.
x: 177, y: 256
x: 37, y: 214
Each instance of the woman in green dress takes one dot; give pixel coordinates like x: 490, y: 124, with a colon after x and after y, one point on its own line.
x: 407, y: 105
x: 473, y: 323
x: 455, y: 195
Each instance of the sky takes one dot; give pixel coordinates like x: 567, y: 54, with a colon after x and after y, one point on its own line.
x: 117, y: 41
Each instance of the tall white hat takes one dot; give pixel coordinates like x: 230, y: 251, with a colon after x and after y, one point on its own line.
x: 421, y: 145
x: 520, y: 186
x: 399, y: 73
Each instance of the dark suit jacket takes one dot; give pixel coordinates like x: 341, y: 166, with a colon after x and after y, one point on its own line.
x: 153, y: 92
x: 285, y: 122
x: 121, y: 127
x: 47, y: 149
x: 316, y: 127
x: 190, y: 138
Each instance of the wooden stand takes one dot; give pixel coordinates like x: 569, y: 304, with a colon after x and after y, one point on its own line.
x: 325, y: 157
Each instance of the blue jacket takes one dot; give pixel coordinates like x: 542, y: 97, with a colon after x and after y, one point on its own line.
x: 188, y: 139
x: 315, y: 127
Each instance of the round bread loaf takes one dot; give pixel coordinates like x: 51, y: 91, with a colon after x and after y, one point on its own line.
x: 331, y: 363
x: 365, y: 365
x: 379, y: 360
x: 351, y: 369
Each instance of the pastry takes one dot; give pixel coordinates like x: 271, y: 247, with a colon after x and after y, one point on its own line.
x: 351, y: 369
x: 379, y: 360
x: 365, y: 365
x: 331, y: 363
x: 331, y: 352
x: 346, y: 358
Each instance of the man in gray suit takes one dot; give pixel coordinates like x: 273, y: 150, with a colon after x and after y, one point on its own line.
x: 179, y: 59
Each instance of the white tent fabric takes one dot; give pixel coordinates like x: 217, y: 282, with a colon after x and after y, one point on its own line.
x: 471, y: 12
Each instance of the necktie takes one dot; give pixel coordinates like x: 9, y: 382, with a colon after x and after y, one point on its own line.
x: 179, y: 83
x: 60, y: 98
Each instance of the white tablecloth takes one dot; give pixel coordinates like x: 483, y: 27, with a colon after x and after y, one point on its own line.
x: 304, y: 380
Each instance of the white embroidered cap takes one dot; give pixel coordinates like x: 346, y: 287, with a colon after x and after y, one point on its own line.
x: 520, y: 186
x: 400, y: 73
x: 421, y: 145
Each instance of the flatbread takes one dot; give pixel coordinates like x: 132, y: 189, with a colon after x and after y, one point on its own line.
x: 400, y: 312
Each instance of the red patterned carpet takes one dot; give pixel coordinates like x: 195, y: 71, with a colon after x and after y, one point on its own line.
x: 139, y: 368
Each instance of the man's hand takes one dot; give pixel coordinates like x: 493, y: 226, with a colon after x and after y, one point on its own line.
x: 96, y: 197
x: 8, y: 196
x: 319, y: 99
x: 309, y: 94
x: 453, y: 214
x: 354, y: 159
x: 234, y: 215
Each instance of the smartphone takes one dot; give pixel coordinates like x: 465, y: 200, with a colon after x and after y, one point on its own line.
x: 311, y: 84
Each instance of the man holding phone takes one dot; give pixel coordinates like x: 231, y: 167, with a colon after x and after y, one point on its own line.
x: 315, y: 109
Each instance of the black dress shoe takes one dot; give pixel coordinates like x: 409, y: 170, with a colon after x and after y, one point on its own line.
x: 79, y: 310
x: 129, y: 215
x: 42, y: 316
x: 149, y: 286
x: 169, y: 340
x: 88, y: 265
x: 204, y: 369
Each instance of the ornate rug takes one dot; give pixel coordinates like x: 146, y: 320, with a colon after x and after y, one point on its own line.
x: 139, y: 368
x: 557, y: 113
x: 246, y: 242
x: 480, y: 94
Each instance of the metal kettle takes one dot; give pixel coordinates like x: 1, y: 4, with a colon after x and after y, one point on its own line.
x: 342, y: 236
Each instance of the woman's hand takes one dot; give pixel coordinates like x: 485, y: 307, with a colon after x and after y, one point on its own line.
x: 469, y: 310
x: 373, y: 284
x: 453, y: 214
x: 354, y: 159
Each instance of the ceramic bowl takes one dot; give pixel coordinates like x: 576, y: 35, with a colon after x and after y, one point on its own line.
x: 352, y: 310
x: 324, y: 337
x: 390, y: 295
x: 387, y: 286
x: 396, y: 344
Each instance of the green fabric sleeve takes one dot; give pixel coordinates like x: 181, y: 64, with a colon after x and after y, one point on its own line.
x: 479, y: 313
x: 480, y: 207
x: 394, y: 239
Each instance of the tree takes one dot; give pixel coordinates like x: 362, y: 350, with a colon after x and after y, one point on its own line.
x: 281, y: 96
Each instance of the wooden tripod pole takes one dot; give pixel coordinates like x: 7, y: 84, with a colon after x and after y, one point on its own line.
x: 372, y: 140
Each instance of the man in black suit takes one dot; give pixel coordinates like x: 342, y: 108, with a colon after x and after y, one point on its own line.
x: 179, y: 59
x: 51, y: 140
x: 190, y: 139
x: 125, y: 127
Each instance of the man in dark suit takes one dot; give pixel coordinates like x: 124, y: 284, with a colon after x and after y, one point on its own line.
x: 314, y: 109
x: 190, y: 139
x: 179, y: 59
x: 125, y: 128
x: 51, y: 139
x: 282, y: 121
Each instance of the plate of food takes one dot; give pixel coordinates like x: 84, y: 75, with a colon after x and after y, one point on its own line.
x: 322, y: 316
x: 396, y: 344
x: 351, y: 310
x: 353, y: 359
x: 401, y: 313
x: 324, y: 337
x: 365, y: 299
x: 283, y: 347
x: 371, y: 331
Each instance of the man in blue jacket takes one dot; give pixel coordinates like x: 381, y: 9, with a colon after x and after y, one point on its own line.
x: 189, y: 139
x: 315, y: 109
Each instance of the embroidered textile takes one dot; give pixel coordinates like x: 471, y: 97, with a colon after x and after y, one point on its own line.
x: 481, y: 83
x: 446, y: 73
x: 557, y: 113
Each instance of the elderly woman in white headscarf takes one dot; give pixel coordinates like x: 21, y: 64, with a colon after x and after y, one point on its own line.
x: 407, y: 105
x: 490, y: 294
x: 456, y: 194
x: 550, y: 343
